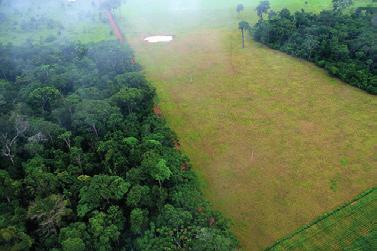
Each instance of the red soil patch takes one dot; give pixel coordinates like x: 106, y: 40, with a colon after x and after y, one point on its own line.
x: 177, y: 145
x: 157, y: 111
x: 115, y: 27
x: 200, y: 210
x: 184, y: 167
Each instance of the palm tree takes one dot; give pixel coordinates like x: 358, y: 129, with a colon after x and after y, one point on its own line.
x: 240, y: 8
x: 243, y: 25
x: 262, y: 8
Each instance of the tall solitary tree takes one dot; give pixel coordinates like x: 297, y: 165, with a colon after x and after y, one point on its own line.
x: 243, y: 26
x: 262, y: 8
x: 240, y: 8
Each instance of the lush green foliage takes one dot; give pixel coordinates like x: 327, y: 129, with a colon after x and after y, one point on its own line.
x: 345, y: 45
x: 86, y: 165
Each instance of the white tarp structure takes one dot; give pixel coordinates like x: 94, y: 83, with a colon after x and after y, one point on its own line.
x: 158, y: 39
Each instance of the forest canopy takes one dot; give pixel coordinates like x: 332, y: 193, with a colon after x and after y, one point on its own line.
x: 85, y: 163
x: 345, y: 45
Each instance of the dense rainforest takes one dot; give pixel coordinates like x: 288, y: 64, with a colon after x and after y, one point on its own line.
x: 344, y: 44
x: 85, y: 162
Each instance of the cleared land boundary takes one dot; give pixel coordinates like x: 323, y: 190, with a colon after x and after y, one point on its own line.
x: 277, y: 244
x: 275, y: 140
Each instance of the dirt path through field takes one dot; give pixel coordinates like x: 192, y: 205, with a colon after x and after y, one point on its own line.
x: 114, y: 26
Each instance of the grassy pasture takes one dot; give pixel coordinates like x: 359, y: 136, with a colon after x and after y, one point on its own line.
x: 349, y: 228
x: 276, y: 141
x: 77, y: 18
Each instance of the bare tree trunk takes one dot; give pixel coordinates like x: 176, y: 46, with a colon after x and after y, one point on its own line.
x: 243, y: 38
x: 95, y: 130
x: 7, y: 153
x: 7, y: 149
x: 68, y: 143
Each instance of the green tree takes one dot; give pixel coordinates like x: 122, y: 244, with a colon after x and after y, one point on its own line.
x: 47, y: 129
x: 105, y: 229
x: 263, y: 8
x: 38, y: 180
x: 156, y: 167
x: 132, y: 80
x: 128, y: 99
x: 93, y: 115
x: 113, y: 155
x: 161, y: 171
x: 157, y: 239
x: 138, y: 219
x: 9, y: 188
x: 98, y: 193
x: 174, y: 217
x: 138, y: 196
x: 73, y: 244
x: 44, y: 98
x: 77, y: 157
x: 12, y: 238
x: 243, y: 26
x: 74, y: 237
x: 133, y: 150
x: 240, y: 8
x: 309, y: 45
x: 66, y: 137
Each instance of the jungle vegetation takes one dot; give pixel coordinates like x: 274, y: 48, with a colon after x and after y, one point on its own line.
x: 342, y: 43
x: 85, y: 162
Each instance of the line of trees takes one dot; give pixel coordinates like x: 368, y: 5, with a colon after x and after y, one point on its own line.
x: 344, y: 44
x: 86, y: 165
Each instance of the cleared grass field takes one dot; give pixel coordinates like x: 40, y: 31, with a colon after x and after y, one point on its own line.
x: 350, y: 227
x: 276, y: 141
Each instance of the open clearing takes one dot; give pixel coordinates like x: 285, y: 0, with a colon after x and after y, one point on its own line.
x: 276, y: 141
x: 343, y: 228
